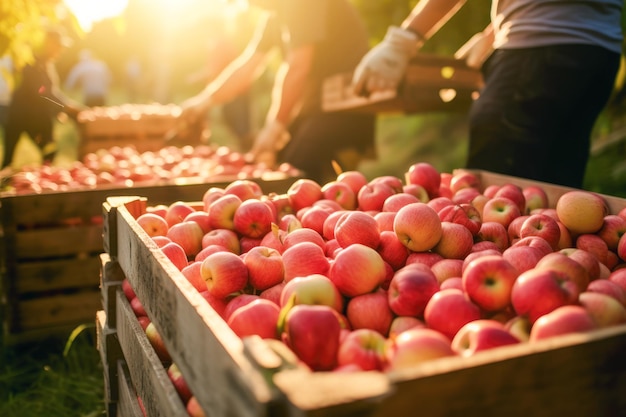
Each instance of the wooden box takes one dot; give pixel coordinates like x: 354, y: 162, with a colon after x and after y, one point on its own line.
x: 576, y: 375
x: 432, y: 84
x: 50, y: 249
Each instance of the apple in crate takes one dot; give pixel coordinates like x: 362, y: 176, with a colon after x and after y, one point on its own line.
x: 188, y: 234
x: 365, y: 348
x: 226, y: 238
x: 313, y: 332
x: 175, y: 253
x: 560, y: 262
x: 426, y: 175
x: 581, y: 211
x: 613, y: 228
x: 480, y: 335
x: 456, y: 241
x: 341, y: 192
x: 392, y: 250
x: 448, y: 310
x: 543, y: 226
x: 464, y: 214
x: 304, y: 258
x: 357, y: 227
x: 303, y: 193
x: 265, y: 267
x: 355, y: 179
x: 418, y: 227
x: 536, y: 198
x: 562, y: 320
x: 488, y: 282
x: 604, y: 310
x: 179, y: 382
x: 156, y: 341
x: 177, y: 211
x: 500, y: 210
x: 370, y: 311
x: 312, y: 289
x: 244, y: 189
x: 253, y: 218
x: 403, y: 323
x: 225, y: 273
x: 222, y: 211
x: 514, y: 193
x: 416, y: 346
x: 372, y: 196
x: 259, y: 317
x: 357, y: 269
x: 410, y: 290
x: 153, y: 224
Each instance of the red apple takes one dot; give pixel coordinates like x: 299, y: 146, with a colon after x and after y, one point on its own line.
x: 426, y: 258
x: 303, y: 193
x: 312, y: 289
x: 463, y: 179
x: 370, y: 311
x: 303, y: 235
x: 463, y: 214
x: 426, y: 175
x: 562, y: 320
x: 357, y: 269
x: 194, y: 409
x: 357, y: 227
x: 536, y: 198
x: 259, y: 317
x: 188, y: 234
x: 495, y: 232
x: 586, y: 259
x: 265, y: 267
x: 448, y: 310
x: 176, y: 254
x: 402, y: 323
x: 341, y: 192
x: 193, y: 275
x: 410, y: 290
x: 128, y: 289
x: 396, y: 201
x: 593, y: 244
x: 244, y: 189
x: 456, y: 241
x: 417, y: 191
x: 202, y: 218
x: 392, y: 250
x: 543, y: 226
x: 210, y: 195
x: 416, y: 346
x: 365, y: 348
x: 608, y: 287
x: 157, y: 343
x: 137, y: 307
x: 235, y: 301
x: 560, y: 262
x: 314, y: 217
x: 304, y: 258
x: 179, y: 382
x: 222, y: 212
x: 225, y: 273
x: 438, y: 203
x: 514, y: 193
x: 418, y: 227
x: 500, y: 210
x: 515, y: 227
x: 217, y: 304
x: 226, y: 238
x: 328, y: 230
x: 372, y: 196
x: 177, y: 211
x: 488, y: 282
x: 479, y: 335
x: 581, y: 211
x: 355, y: 179
x: 446, y: 269
x: 273, y: 293
x: 253, y: 218
x: 153, y: 224
x: 604, y: 309
x: 522, y: 258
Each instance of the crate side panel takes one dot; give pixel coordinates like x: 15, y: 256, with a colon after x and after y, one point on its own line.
x: 128, y: 404
x: 57, y: 274
x: 58, y: 242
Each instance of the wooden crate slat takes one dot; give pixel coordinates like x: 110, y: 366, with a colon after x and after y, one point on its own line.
x: 48, y: 243
x: 56, y: 274
x: 147, y: 373
x: 128, y: 403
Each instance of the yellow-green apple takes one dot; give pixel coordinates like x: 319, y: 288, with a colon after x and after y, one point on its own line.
x: 450, y: 309
x: 425, y: 175
x: 193, y: 275
x: 304, y: 258
x: 202, y: 218
x: 303, y: 234
x: 515, y: 226
x: 210, y: 195
x: 156, y: 341
x: 586, y: 259
x: 539, y: 291
x: 153, y: 224
x: 372, y: 196
x: 593, y: 244
x: 514, y: 193
x: 177, y: 211
x: 402, y: 323
x: 396, y: 201
x: 466, y: 195
x: 464, y: 214
x: 222, y: 212
x: 563, y: 320
x: 495, y: 232
x: 225, y: 273
x: 456, y: 241
x: 328, y: 230
x: 259, y: 317
x: 581, y: 211
x: 543, y: 226
x: 180, y: 383
x: 364, y: 348
x: 188, y: 234
x: 426, y: 258
x: 463, y: 179
x: 447, y: 268
x: 357, y: 227
x: 410, y: 290
x: 418, y: 191
x: 604, y: 309
x: 176, y: 254
x: 244, y: 189
x: 357, y: 269
x: 355, y: 179
x: 384, y: 219
x: 608, y: 287
x: 265, y: 267
x: 218, y: 304
x: 392, y: 250
x: 535, y: 242
x: 303, y: 193
x: 500, y: 210
x: 341, y: 192
x: 416, y: 346
x: 519, y: 326
x: 312, y: 289
x: 312, y: 332
x: 488, y: 281
x: 439, y: 203
x: 418, y: 227
x: 314, y: 217
x: 536, y: 198
x: 253, y: 218
x: 522, y: 257
x: 481, y: 335
x: 370, y: 311
x: 560, y: 262
x: 226, y: 238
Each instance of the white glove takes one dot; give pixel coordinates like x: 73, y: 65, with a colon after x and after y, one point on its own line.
x: 272, y: 138
x: 384, y: 66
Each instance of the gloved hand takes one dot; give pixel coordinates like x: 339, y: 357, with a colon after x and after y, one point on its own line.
x: 272, y: 138
x: 384, y: 66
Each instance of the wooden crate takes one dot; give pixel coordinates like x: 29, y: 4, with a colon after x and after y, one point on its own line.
x: 432, y: 84
x: 50, y: 253
x: 577, y: 374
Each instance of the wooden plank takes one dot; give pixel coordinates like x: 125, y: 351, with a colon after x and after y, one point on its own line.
x: 43, y: 243
x: 56, y: 274
x: 148, y: 374
x: 110, y: 353
x: 229, y: 383
x: 128, y: 403
x: 111, y: 277
x: 58, y: 309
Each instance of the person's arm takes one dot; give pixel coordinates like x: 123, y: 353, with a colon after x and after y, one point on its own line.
x: 384, y: 66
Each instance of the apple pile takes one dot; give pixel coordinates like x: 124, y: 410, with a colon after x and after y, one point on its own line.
x: 382, y: 274
x: 125, y: 166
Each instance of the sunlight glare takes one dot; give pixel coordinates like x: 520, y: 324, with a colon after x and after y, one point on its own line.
x: 88, y: 12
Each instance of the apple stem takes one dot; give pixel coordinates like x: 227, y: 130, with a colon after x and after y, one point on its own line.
x: 336, y: 167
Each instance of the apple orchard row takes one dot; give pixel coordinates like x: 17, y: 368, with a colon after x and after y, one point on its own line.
x: 387, y: 273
